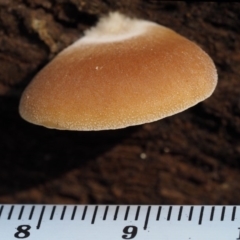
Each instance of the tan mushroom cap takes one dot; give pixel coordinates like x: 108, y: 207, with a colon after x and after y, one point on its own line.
x: 116, y: 80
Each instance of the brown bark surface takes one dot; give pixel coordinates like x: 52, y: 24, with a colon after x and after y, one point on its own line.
x: 190, y: 158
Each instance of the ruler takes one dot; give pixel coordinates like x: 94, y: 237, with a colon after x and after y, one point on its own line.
x: 117, y: 222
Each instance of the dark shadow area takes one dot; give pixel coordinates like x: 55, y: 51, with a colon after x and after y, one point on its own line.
x: 69, y: 15
x: 30, y: 155
x: 220, y: 135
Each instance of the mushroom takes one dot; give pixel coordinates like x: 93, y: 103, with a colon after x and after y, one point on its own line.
x: 123, y: 72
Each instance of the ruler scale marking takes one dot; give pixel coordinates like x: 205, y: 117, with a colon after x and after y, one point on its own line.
x: 40, y: 218
x: 147, y: 217
x: 105, y: 213
x: 212, y: 213
x: 94, y: 215
x: 180, y: 213
x: 201, y: 216
x: 116, y: 213
x: 158, y: 213
x: 233, y: 213
x: 223, y: 212
x: 126, y: 213
x: 74, y: 212
x: 10, y: 212
x: 1, y: 209
x: 84, y: 212
x: 31, y: 213
x: 21, y: 213
x: 190, y: 214
x: 137, y: 213
x: 173, y: 221
x: 52, y: 213
x: 63, y: 213
x: 169, y: 213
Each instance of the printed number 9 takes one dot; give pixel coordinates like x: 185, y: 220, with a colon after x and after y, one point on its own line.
x: 131, y: 232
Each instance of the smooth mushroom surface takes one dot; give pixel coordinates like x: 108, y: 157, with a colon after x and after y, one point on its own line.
x: 123, y: 72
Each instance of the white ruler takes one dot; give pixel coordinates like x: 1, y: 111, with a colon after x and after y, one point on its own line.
x: 112, y: 222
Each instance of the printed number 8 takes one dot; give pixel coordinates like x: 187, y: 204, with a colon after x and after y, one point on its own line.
x: 23, y: 231
x: 132, y: 230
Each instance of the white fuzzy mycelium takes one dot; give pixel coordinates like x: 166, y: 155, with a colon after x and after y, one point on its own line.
x: 115, y: 27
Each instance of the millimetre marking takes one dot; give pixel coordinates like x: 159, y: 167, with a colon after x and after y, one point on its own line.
x: 147, y: 217
x: 137, y: 213
x: 74, y: 212
x: 158, y: 213
x: 31, y: 213
x: 233, y: 213
x: 116, y: 213
x: 63, y: 213
x: 10, y: 213
x: 105, y: 213
x: 126, y: 213
x: 201, y: 216
x: 169, y: 213
x: 212, y: 213
x: 223, y: 212
x: 1, y: 209
x: 180, y: 213
x: 130, y: 214
x: 94, y: 215
x: 84, y: 213
x: 190, y: 214
x: 52, y: 213
x: 40, y: 217
x: 21, y: 213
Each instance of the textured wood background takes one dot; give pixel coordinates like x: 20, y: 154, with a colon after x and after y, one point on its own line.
x: 190, y: 158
